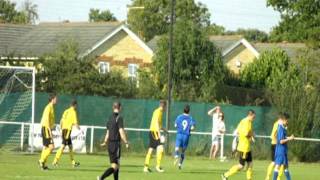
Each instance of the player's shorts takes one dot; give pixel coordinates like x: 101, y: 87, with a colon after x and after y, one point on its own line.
x: 66, y: 137
x: 182, y: 141
x: 245, y: 157
x: 273, y: 150
x: 216, y: 139
x: 114, y: 150
x: 154, y: 142
x: 281, y: 160
x: 46, y: 138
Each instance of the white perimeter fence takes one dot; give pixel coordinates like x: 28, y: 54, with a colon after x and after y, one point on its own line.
x: 19, y: 136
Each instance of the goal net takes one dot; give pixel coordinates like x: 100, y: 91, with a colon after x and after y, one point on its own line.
x: 17, y: 92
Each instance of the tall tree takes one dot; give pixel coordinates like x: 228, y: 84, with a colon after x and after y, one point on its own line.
x: 104, y: 16
x: 197, y: 69
x: 265, y: 68
x: 9, y: 14
x: 215, y: 29
x: 300, y: 21
x: 254, y: 35
x: 154, y: 18
x: 31, y: 11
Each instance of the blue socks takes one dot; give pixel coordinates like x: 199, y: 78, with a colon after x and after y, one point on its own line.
x: 182, y: 158
x: 176, y: 154
x: 286, y: 172
x: 275, y: 174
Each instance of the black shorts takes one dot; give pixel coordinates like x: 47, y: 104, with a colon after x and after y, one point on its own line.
x: 273, y: 151
x: 66, y: 137
x: 245, y: 157
x: 154, y: 142
x: 114, y: 150
x: 46, y: 137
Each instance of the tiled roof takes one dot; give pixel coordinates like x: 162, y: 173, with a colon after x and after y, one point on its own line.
x: 224, y: 42
x: 291, y: 49
x: 227, y: 41
x: 153, y: 43
x: 36, y: 40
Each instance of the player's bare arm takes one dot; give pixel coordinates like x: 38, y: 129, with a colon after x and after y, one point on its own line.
x: 105, y: 139
x: 211, y: 111
x: 124, y: 137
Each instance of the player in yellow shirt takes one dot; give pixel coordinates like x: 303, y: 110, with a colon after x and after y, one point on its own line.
x: 155, y: 136
x: 47, y: 124
x: 273, y: 137
x: 68, y: 120
x: 245, y: 133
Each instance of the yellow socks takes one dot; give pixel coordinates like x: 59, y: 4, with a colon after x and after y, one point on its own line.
x: 58, y: 155
x: 232, y: 171
x: 42, y: 155
x: 249, y: 173
x: 159, y: 156
x: 45, y: 154
x: 281, y: 170
x: 71, y: 157
x: 148, y: 157
x: 270, y: 170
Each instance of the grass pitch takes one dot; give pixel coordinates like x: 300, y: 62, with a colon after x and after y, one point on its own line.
x: 19, y: 166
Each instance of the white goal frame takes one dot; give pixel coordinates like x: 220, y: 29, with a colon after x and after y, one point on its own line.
x: 33, y: 69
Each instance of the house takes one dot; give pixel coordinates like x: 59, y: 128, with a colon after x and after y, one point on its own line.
x: 113, y: 45
x: 237, y: 52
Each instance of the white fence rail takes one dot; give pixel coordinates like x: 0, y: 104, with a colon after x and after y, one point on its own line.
x: 23, y: 125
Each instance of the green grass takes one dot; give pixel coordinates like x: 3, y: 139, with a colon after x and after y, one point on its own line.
x: 19, y: 166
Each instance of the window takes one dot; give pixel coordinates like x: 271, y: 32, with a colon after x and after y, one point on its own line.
x: 104, y: 67
x: 133, y: 70
x: 238, y: 63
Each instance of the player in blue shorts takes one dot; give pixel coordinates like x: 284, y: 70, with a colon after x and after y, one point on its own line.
x: 184, y: 124
x: 281, y: 153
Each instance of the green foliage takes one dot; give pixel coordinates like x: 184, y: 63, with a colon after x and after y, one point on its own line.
x: 64, y: 72
x: 148, y: 88
x: 9, y: 14
x: 30, y: 11
x: 253, y: 35
x: 300, y: 21
x: 215, y: 29
x: 288, y: 91
x: 154, y: 18
x: 197, y: 68
x: 269, y: 65
x: 104, y: 16
x: 309, y: 64
x: 289, y: 94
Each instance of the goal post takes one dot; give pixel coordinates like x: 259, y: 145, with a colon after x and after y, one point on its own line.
x: 17, y: 103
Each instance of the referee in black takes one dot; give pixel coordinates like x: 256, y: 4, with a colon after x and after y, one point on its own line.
x: 115, y: 132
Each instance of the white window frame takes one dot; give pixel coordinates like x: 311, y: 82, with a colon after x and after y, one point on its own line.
x: 134, y: 66
x: 104, y: 70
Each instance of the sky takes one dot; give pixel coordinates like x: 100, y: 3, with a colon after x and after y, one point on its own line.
x: 232, y: 14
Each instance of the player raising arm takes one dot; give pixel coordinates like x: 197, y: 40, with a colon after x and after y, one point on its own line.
x: 115, y: 132
x: 245, y: 133
x: 281, y: 154
x: 184, y: 124
x: 47, y: 124
x: 68, y: 120
x: 216, y: 130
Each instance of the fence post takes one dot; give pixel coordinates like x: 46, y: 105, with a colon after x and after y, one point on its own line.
x: 222, y: 148
x: 22, y: 136
x: 91, y: 139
